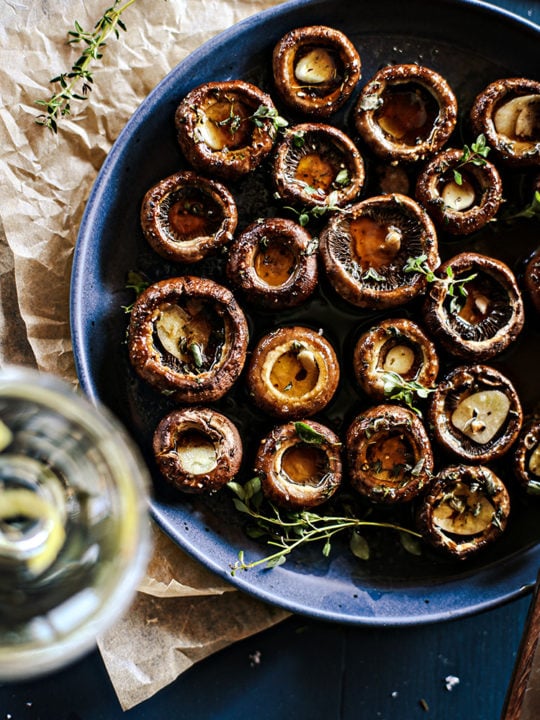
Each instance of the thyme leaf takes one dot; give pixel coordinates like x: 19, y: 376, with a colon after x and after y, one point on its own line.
x: 455, y: 287
x: 77, y: 83
x: 529, y: 212
x: 288, y: 530
x: 475, y: 154
x: 136, y: 282
x: 406, y: 391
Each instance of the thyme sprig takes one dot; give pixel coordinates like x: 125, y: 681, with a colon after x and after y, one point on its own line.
x: 475, y: 154
x: 305, y: 215
x: 406, y: 391
x: 289, y: 530
x: 77, y: 83
x: 529, y: 212
x: 455, y: 287
x: 136, y: 282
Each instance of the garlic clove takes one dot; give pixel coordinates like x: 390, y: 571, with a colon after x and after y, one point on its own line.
x: 316, y: 67
x: 481, y: 415
x: 458, y: 197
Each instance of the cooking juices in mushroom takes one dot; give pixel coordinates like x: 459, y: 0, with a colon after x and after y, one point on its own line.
x: 394, y: 346
x: 293, y: 373
x: 389, y: 455
x: 466, y: 508
x: 299, y: 464
x: 186, y: 217
x: 365, y: 249
x: 273, y: 263
x: 226, y: 128
x: 479, y: 313
x: 315, y: 69
x: 476, y: 413
x: 461, y: 197
x: 197, y: 449
x: 188, y: 338
x: 406, y: 112
x: 317, y: 165
x: 507, y: 112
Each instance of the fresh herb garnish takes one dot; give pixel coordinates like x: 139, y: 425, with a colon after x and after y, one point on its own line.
x: 307, y: 434
x: 455, y: 287
x: 307, y: 214
x: 135, y: 281
x: 405, y: 391
x: 77, y: 83
x: 196, y: 354
x: 289, y: 530
x: 263, y: 112
x: 529, y: 212
x: 475, y: 154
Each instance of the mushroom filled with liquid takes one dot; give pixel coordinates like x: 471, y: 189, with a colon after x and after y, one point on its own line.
x: 461, y: 195
x: 394, y: 347
x: 197, y: 450
x: 474, y: 307
x: 507, y: 112
x: 273, y: 263
x: 526, y: 456
x: 406, y: 113
x: 389, y: 457
x: 315, y: 68
x: 475, y: 413
x: 299, y: 464
x: 317, y: 165
x: 466, y: 508
x: 365, y: 251
x: 226, y: 129
x: 188, y: 338
x: 186, y: 217
x: 293, y: 372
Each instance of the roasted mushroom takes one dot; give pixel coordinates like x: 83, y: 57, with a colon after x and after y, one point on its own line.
x: 186, y: 217
x: 316, y: 69
x: 293, y: 373
x: 507, y: 112
x: 299, y: 465
x: 406, y: 113
x: 273, y: 262
x: 317, y: 165
x: 526, y: 456
x: 365, y: 251
x: 475, y: 309
x: 532, y: 279
x: 227, y: 128
x: 460, y: 195
x: 394, y: 346
x: 466, y: 508
x: 188, y: 338
x: 197, y: 449
x: 475, y: 413
x: 389, y: 457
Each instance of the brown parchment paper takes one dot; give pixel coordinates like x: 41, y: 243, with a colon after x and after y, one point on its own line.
x: 182, y: 612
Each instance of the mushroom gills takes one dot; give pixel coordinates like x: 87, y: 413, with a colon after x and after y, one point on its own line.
x: 465, y: 511
x: 519, y: 118
x: 317, y: 66
x: 196, y: 453
x: 481, y: 415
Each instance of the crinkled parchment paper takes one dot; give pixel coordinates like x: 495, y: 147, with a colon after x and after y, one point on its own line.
x: 182, y: 612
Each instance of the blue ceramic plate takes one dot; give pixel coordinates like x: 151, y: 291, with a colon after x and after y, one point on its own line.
x: 470, y: 44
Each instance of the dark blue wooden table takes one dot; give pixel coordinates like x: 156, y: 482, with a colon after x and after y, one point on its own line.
x: 309, y: 670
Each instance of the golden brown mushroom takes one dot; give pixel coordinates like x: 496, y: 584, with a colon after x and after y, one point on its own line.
x: 188, y: 338
x: 186, y: 217
x: 476, y: 312
x: 273, y: 262
x: 293, y: 372
x: 466, y: 509
x: 316, y: 68
x: 365, y: 250
x: 475, y: 413
x: 226, y: 129
x: 197, y: 449
x: 317, y: 165
x: 532, y: 279
x: 389, y: 455
x: 507, y: 112
x: 526, y: 456
x: 395, y: 345
x: 406, y: 112
x: 460, y: 196
x: 299, y: 465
